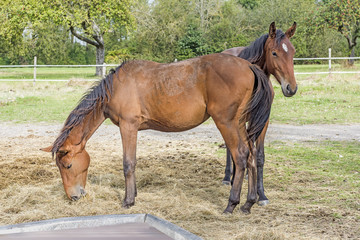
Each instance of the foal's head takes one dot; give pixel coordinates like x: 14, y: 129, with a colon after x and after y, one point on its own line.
x: 279, y: 58
x: 73, y: 162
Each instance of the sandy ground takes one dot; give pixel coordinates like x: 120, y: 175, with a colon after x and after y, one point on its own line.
x: 178, y: 176
x: 205, y: 132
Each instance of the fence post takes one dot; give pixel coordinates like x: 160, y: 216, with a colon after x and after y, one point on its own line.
x: 35, y: 60
x: 329, y: 61
x: 104, y: 70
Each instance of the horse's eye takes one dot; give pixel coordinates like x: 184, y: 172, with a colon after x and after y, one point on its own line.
x: 63, y: 153
x: 274, y: 54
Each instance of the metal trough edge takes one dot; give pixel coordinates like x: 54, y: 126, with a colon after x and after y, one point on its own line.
x: 163, y: 226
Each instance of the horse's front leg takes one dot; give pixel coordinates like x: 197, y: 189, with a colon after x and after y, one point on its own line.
x: 129, y: 139
x: 260, y: 158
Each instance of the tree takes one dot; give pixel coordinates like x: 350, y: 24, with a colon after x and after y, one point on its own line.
x: 87, y: 20
x: 192, y: 44
x: 344, y: 17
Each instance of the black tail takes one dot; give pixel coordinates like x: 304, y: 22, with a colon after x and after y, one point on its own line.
x: 257, y: 112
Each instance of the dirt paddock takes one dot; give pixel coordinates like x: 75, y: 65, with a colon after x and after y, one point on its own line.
x: 178, y: 178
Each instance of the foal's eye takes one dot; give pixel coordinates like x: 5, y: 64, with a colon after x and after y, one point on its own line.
x: 274, y: 54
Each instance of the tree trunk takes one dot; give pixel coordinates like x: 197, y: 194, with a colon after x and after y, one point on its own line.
x: 352, y: 54
x: 100, y: 57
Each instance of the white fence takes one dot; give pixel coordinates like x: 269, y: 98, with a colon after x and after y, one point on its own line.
x: 329, y: 69
x: 35, y: 66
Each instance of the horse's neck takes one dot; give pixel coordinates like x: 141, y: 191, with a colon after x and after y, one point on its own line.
x: 262, y: 64
x: 81, y: 133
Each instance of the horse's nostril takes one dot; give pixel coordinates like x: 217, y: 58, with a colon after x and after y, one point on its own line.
x: 288, y: 88
x: 290, y: 91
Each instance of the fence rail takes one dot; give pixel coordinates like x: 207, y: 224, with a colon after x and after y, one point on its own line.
x: 35, y: 66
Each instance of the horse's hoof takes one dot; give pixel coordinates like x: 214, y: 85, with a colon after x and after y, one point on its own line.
x: 226, y: 182
x: 245, y: 210
x: 263, y: 202
x: 227, y: 212
x: 127, y: 205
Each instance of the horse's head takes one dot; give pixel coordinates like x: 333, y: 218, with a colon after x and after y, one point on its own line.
x: 73, y: 162
x: 279, y: 58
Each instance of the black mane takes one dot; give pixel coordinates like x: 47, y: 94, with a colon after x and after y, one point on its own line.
x: 92, y: 102
x: 254, y: 52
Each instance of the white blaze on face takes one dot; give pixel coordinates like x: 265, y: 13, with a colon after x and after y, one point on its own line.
x: 285, y: 47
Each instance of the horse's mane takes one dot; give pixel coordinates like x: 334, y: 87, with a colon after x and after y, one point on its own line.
x: 254, y: 52
x: 92, y: 102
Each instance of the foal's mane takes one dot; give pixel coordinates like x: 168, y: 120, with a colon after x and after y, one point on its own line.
x: 91, y: 103
x: 254, y: 52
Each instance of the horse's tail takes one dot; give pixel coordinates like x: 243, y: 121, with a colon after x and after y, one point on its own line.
x: 258, y: 109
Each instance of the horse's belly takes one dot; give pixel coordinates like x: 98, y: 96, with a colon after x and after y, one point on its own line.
x: 175, y: 116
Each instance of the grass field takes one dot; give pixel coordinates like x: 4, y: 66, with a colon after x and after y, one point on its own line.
x: 320, y: 98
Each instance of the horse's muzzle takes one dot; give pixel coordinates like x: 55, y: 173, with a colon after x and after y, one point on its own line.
x: 287, y: 91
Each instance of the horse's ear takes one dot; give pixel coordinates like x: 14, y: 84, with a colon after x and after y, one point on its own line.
x: 291, y: 31
x: 272, y: 30
x: 47, y: 149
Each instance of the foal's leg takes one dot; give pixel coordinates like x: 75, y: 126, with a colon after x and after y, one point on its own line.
x: 260, y: 157
x: 129, y: 138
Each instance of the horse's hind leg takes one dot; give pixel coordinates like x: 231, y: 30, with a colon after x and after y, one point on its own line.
x: 260, y: 157
x: 228, y: 168
x: 129, y: 138
x: 239, y: 152
x: 252, y: 173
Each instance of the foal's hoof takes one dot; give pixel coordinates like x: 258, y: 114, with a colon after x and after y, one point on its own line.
x: 263, y: 203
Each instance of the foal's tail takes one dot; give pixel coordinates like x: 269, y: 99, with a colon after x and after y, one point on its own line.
x: 257, y: 112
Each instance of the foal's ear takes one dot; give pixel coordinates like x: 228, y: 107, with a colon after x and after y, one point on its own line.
x: 47, y: 149
x: 272, y: 30
x: 291, y: 31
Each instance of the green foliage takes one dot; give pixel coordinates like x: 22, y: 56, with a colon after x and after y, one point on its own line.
x: 249, y: 4
x: 118, y: 56
x: 342, y: 16
x: 192, y: 44
x: 167, y: 29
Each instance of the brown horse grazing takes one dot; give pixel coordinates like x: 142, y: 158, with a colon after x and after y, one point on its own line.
x: 172, y: 97
x: 273, y: 53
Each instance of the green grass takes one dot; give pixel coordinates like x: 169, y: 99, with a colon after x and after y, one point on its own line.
x: 320, y: 99
x: 46, y: 102
x: 48, y: 73
x: 325, y: 67
x: 334, y: 168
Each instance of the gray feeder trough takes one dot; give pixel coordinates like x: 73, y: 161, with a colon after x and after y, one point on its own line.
x: 133, y: 226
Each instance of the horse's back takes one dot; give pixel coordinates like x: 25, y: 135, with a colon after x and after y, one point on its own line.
x: 175, y: 97
x: 233, y: 51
